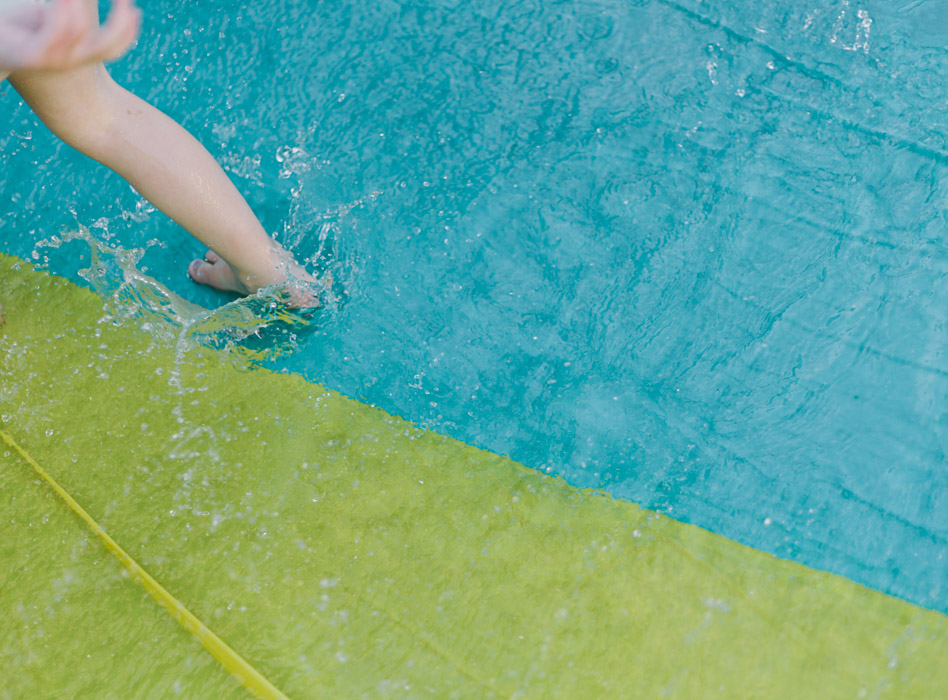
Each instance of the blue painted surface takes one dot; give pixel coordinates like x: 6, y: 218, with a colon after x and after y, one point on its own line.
x: 693, y: 254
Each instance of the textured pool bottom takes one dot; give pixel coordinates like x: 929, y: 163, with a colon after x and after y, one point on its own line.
x: 343, y: 551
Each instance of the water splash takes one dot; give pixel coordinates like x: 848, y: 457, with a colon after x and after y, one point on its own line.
x: 260, y: 327
x: 843, y: 25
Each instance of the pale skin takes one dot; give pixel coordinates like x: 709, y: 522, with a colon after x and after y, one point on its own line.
x: 52, y: 55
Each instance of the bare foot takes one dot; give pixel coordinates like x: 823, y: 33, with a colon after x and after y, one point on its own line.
x: 215, y: 272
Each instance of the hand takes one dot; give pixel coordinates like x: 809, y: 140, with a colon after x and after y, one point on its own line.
x: 64, y: 35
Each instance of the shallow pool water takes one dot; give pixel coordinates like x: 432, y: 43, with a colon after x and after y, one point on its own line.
x: 690, y: 253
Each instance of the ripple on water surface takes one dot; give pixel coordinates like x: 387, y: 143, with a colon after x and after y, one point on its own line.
x: 692, y: 253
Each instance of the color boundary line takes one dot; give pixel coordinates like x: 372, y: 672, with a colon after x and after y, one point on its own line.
x: 248, y: 676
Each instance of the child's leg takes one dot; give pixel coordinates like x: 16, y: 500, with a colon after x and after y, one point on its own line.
x: 88, y: 110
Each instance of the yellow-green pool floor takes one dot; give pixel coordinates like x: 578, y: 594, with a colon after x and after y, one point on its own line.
x: 346, y: 553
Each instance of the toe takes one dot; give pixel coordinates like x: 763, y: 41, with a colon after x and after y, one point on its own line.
x: 196, y: 271
x: 215, y: 272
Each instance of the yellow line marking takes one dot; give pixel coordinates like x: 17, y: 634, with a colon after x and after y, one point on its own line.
x: 248, y: 676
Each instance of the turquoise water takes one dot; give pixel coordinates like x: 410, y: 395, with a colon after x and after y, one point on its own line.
x: 692, y: 254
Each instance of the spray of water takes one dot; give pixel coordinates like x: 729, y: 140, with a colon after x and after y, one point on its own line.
x: 260, y: 327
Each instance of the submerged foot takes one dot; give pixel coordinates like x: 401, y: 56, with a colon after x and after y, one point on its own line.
x: 216, y: 272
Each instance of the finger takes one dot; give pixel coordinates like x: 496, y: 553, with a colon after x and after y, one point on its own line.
x: 117, y: 34
x: 63, y: 28
x: 77, y: 27
x: 65, y: 36
x: 69, y: 38
x: 113, y: 39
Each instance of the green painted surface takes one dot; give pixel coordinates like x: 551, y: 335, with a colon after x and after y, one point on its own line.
x: 72, y: 619
x: 345, y: 552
